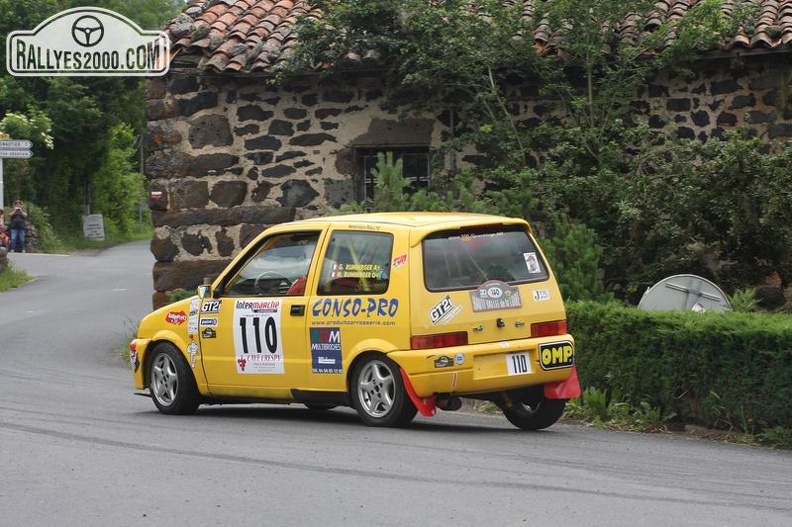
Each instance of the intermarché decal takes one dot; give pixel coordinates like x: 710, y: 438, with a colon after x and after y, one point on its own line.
x: 356, y: 308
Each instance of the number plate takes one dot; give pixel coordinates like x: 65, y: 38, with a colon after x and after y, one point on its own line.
x: 518, y: 363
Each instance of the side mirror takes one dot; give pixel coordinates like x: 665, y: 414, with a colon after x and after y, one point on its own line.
x: 204, y: 291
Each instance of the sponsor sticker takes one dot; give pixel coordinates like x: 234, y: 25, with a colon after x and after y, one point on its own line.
x: 258, y: 342
x: 555, y: 355
x: 326, y: 350
x: 443, y: 361
x: 541, y: 294
x: 209, y: 333
x: 212, y: 321
x: 494, y: 295
x: 399, y: 261
x: 211, y: 306
x: 176, y: 318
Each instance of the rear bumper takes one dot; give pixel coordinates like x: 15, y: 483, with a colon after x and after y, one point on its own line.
x: 483, y: 368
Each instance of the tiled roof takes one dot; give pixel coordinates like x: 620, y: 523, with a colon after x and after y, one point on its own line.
x: 257, y: 35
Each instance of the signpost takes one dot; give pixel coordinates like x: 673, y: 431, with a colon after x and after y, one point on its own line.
x: 15, y: 149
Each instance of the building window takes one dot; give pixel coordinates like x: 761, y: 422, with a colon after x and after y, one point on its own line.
x: 415, y: 168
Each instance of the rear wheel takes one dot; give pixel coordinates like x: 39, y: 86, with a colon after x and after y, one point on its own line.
x: 171, y: 382
x: 378, y: 393
x: 529, y: 409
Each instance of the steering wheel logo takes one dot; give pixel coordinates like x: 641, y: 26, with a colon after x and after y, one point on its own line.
x: 87, y: 31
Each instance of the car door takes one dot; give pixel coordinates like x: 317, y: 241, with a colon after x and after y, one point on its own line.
x: 253, y: 331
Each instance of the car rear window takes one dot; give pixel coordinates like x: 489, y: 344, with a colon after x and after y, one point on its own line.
x: 466, y: 259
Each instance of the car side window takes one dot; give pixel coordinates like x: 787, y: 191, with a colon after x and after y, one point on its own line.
x: 278, y: 268
x: 356, y: 263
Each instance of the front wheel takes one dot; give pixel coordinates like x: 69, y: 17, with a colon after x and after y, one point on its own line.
x: 378, y: 393
x: 529, y: 409
x: 171, y: 382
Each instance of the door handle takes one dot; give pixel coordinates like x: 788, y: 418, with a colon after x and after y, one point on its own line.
x: 297, y: 310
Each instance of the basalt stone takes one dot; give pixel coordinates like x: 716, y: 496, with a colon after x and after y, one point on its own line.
x: 310, y: 100
x: 159, y: 300
x: 770, y: 297
x: 224, y: 217
x: 167, y: 164
x: 163, y: 249
x: 756, y: 117
x: 771, y: 98
x: 247, y: 233
x: 261, y: 158
x: 261, y: 192
x: 701, y: 118
x: 314, y: 172
x: 292, y: 154
x: 338, y: 192
x: 656, y: 90
x: 656, y: 122
x: 346, y: 162
x: 304, y: 126
x: 727, y: 119
x: 196, y: 244
x: 210, y: 130
x: 208, y: 164
x: 743, y: 101
x: 161, y: 109
x: 169, y: 276
x: 779, y: 130
x: 357, y: 108
x: 155, y: 88
x: 225, y: 243
x: 373, y: 95
x: 297, y: 193
x: 264, y: 142
x: 725, y: 87
x: 278, y: 171
x: 678, y: 105
x: 280, y: 127
x: 343, y: 97
x: 295, y: 114
x: 311, y: 139
x: 302, y: 164
x: 202, y: 101
x: 160, y: 135
x: 229, y: 193
x: 190, y: 194
x: 253, y: 174
x: 231, y: 97
x: 253, y: 113
x: 329, y: 126
x: 683, y: 132
x: 324, y: 113
x: 247, y: 130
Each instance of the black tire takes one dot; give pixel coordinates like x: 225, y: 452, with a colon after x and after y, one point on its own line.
x: 171, y: 382
x: 529, y: 409
x: 378, y: 393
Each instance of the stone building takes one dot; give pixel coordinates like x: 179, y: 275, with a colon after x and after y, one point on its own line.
x: 229, y: 153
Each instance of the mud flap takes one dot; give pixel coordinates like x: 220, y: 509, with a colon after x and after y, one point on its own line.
x: 568, y: 389
x: 426, y: 405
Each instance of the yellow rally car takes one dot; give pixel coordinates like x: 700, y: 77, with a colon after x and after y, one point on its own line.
x: 390, y: 313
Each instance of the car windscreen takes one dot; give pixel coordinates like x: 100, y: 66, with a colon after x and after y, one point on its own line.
x: 464, y: 259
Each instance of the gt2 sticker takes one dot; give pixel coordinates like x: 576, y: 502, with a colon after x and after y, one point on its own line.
x: 326, y: 350
x: 495, y: 294
x: 211, y: 306
x: 444, y: 311
x: 556, y: 355
x: 257, y: 336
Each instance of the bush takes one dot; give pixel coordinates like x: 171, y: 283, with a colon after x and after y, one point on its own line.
x: 720, y: 370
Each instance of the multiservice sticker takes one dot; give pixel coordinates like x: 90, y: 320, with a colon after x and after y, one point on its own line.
x: 326, y: 350
x: 493, y: 295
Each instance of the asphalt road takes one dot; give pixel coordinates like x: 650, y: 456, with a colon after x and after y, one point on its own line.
x: 77, y: 448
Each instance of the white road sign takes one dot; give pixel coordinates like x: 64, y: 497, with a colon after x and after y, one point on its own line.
x: 18, y: 154
x: 15, y: 144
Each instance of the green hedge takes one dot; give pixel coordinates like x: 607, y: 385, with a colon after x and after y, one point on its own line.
x: 731, y: 370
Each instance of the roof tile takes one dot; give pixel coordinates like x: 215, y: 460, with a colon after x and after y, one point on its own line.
x: 260, y: 32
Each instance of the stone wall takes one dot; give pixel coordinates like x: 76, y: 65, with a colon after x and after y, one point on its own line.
x: 231, y: 155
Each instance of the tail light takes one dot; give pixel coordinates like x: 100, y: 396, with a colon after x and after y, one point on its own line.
x: 440, y: 340
x: 549, y: 329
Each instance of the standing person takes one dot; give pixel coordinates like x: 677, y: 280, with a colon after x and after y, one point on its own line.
x: 18, y: 225
x: 4, y: 239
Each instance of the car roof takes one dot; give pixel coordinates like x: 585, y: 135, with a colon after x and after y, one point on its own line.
x: 414, y: 219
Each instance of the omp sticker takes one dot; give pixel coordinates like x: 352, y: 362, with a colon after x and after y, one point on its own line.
x: 192, y: 323
x: 326, y: 350
x: 257, y: 336
x: 211, y: 306
x: 176, y: 318
x: 541, y: 294
x: 556, y: 355
x: 495, y: 294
